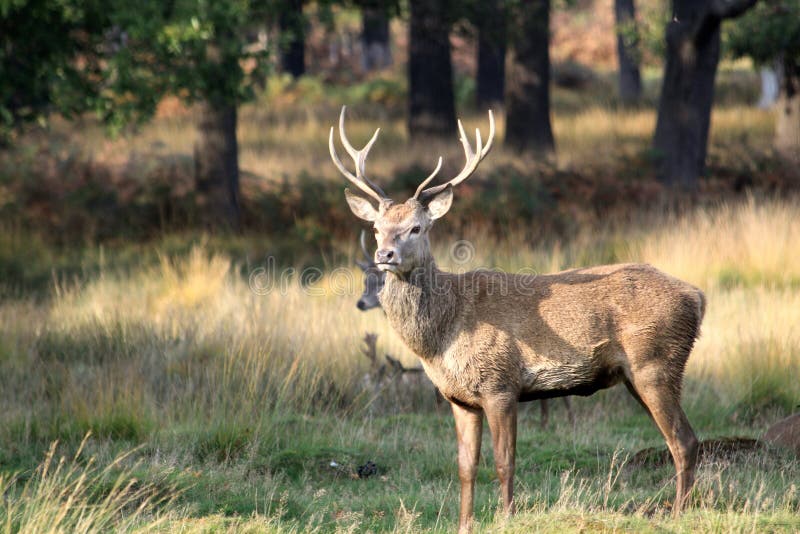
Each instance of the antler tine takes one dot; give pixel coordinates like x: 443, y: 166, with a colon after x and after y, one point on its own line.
x: 430, y: 177
x: 360, y: 156
x: 363, y: 240
x: 488, y: 146
x: 342, y: 169
x: 472, y: 158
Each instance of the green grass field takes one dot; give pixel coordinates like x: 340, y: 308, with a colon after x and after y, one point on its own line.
x: 165, y: 380
x: 230, y: 399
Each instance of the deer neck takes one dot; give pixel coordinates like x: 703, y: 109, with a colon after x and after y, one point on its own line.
x: 422, y: 307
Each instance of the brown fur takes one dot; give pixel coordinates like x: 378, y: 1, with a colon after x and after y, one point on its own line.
x: 488, y: 340
x: 374, y: 280
x: 488, y: 333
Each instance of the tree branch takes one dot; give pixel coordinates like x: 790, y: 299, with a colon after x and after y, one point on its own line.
x: 729, y: 9
x: 715, y: 12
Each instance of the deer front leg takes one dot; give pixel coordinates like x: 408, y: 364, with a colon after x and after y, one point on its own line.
x: 502, y: 417
x: 469, y: 424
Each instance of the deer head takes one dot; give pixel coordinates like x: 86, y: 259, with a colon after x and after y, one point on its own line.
x: 401, y: 230
x: 373, y: 279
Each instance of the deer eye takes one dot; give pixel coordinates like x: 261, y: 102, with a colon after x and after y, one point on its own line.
x: 415, y: 230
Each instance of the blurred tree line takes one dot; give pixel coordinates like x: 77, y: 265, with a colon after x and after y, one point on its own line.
x: 119, y: 59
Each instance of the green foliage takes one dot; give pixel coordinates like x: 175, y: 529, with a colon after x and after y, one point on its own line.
x: 767, y: 31
x: 39, y: 43
x: 120, y: 58
x: 192, y: 49
x: 652, y: 19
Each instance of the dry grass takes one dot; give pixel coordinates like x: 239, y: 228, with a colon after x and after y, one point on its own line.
x: 218, y: 367
x: 77, y: 495
x: 751, y: 243
x: 261, y: 373
x: 279, y: 333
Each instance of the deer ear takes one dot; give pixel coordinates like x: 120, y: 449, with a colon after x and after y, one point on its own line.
x: 439, y: 203
x: 360, y: 206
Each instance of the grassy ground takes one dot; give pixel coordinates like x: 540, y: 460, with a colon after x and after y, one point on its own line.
x: 236, y: 394
x: 155, y: 378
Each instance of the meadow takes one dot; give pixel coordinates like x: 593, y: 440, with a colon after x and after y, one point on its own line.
x: 215, y: 383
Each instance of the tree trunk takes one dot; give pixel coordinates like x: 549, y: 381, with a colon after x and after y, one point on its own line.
x: 430, y: 72
x: 490, y: 83
x: 630, y: 81
x: 687, y: 93
x: 787, y: 125
x: 216, y: 158
x: 528, y: 81
x: 377, y: 53
x: 292, y: 26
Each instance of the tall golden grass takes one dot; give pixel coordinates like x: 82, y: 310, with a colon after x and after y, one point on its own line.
x: 193, y: 333
x: 77, y: 495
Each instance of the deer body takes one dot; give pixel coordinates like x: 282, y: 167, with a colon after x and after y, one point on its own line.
x: 569, y: 333
x: 374, y: 280
x: 488, y: 340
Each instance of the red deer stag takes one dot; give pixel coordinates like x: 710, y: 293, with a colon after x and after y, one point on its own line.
x: 374, y: 279
x: 489, y: 340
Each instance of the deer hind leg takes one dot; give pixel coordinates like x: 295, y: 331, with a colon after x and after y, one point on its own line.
x: 568, y: 406
x: 502, y: 417
x: 469, y: 425
x: 661, y: 399
x: 545, y: 409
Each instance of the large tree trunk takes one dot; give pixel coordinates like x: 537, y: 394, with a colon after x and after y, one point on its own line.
x: 491, y: 23
x: 377, y: 53
x: 216, y: 157
x: 430, y: 73
x: 292, y: 27
x: 687, y: 93
x: 528, y: 80
x: 630, y: 81
x: 787, y: 124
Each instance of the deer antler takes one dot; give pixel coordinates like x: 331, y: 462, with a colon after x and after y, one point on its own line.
x: 363, y: 241
x: 360, y: 179
x: 473, y: 159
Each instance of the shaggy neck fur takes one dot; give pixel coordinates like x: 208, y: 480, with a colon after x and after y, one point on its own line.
x: 422, y: 306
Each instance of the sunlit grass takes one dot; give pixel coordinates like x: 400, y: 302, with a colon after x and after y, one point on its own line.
x: 245, y: 383
x: 77, y: 495
x: 249, y: 376
x: 192, y: 330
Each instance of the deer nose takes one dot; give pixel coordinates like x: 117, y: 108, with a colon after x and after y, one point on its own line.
x: 384, y: 255
x: 361, y: 305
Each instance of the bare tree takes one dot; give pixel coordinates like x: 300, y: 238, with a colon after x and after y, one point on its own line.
x: 292, y: 26
x: 490, y: 20
x: 376, y: 49
x: 687, y: 93
x: 787, y: 126
x: 528, y: 80
x: 431, y: 106
x: 628, y: 54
